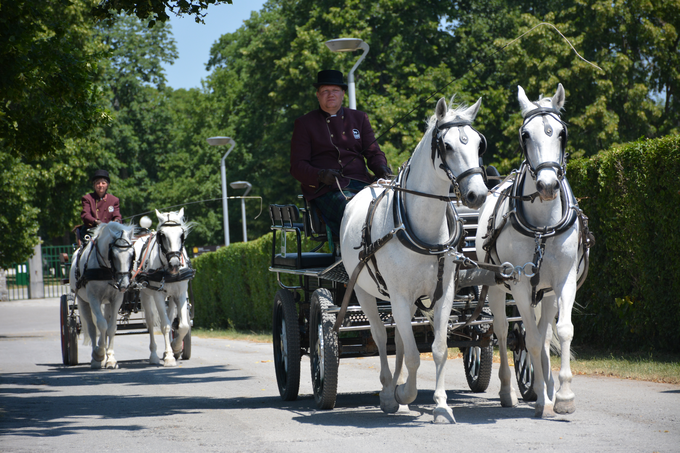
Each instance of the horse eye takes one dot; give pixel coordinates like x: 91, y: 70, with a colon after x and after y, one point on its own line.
x: 448, y: 147
x: 525, y: 136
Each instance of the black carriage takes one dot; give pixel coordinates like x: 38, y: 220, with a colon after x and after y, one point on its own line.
x: 305, y: 313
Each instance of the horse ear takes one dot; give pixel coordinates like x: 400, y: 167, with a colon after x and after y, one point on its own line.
x: 524, y: 102
x: 471, y: 112
x: 181, y: 213
x: 161, y: 217
x: 559, y: 97
x: 441, y: 109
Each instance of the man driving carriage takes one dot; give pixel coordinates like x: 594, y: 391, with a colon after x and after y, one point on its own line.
x: 328, y: 149
x: 99, y: 206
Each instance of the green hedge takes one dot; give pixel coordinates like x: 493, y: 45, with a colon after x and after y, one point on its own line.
x: 631, y: 194
x: 233, y: 287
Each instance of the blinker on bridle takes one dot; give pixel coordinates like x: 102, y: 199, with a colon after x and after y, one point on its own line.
x: 548, y: 130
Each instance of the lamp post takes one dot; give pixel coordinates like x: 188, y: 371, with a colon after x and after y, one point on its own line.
x: 243, y: 185
x: 349, y: 45
x: 218, y: 141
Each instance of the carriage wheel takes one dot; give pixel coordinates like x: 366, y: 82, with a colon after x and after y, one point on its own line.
x: 524, y: 370
x: 69, y: 332
x: 286, y: 336
x: 323, y: 349
x: 186, y: 346
x: 478, y: 362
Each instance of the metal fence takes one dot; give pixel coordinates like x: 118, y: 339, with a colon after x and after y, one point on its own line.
x: 56, y: 264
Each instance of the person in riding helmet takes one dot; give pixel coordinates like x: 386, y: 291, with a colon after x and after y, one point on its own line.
x: 330, y: 149
x: 99, y: 206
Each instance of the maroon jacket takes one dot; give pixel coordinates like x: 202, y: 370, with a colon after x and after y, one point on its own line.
x: 105, y: 209
x: 313, y: 147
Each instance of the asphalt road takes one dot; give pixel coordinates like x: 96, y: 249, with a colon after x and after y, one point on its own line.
x: 225, y: 398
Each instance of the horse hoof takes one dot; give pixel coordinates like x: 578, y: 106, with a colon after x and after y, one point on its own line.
x: 112, y: 365
x: 565, y: 407
x: 170, y: 361
x: 96, y: 364
x: 544, y: 412
x: 154, y: 360
x: 403, y: 409
x: 443, y: 415
x: 508, y: 399
x: 388, y: 404
x: 401, y: 399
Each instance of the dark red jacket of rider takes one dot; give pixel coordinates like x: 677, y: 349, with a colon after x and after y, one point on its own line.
x: 313, y: 148
x: 105, y: 209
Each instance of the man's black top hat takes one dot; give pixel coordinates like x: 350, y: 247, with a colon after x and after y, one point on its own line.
x: 101, y: 174
x: 330, y: 77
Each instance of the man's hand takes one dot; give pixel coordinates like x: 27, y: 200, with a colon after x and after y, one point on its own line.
x: 384, y: 172
x: 328, y: 176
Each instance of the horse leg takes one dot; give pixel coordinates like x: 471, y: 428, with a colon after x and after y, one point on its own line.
x: 149, y: 307
x: 548, y: 312
x: 440, y: 351
x: 564, y: 399
x: 406, y: 393
x: 388, y: 403
x: 166, y: 328
x: 111, y: 317
x: 99, y: 346
x: 184, y: 326
x: 535, y: 343
x: 500, y: 327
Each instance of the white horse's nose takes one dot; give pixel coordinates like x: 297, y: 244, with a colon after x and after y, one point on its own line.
x: 548, y: 191
x: 475, y: 199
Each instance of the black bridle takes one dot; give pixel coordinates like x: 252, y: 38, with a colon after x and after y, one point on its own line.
x: 439, y: 149
x: 560, y: 167
x: 170, y: 254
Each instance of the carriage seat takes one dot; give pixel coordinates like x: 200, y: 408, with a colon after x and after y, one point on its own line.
x: 493, y: 178
x: 285, y: 219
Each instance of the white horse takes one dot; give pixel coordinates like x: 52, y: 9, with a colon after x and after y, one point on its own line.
x: 99, y: 278
x: 165, y: 270
x: 551, y: 236
x: 416, y: 208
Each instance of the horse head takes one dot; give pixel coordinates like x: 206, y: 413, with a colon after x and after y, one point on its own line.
x: 172, y: 231
x: 457, y: 148
x: 543, y: 138
x: 114, y: 245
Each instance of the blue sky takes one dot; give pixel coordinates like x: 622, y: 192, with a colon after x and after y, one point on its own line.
x: 194, y: 40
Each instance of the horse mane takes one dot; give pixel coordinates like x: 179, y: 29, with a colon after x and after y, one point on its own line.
x: 542, y: 102
x: 452, y: 111
x: 113, y: 227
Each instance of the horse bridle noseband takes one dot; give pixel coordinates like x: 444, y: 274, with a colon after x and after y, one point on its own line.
x: 439, y: 149
x: 560, y: 167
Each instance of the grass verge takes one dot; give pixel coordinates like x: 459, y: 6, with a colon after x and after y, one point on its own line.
x: 643, y: 366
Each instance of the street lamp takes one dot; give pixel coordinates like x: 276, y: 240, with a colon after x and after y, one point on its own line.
x: 218, y: 141
x: 349, y: 45
x: 243, y: 185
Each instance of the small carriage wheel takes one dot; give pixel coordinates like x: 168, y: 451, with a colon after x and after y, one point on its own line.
x: 186, y: 346
x: 69, y: 332
x: 524, y: 370
x: 323, y: 349
x: 478, y: 362
x: 63, y: 312
x: 286, y: 339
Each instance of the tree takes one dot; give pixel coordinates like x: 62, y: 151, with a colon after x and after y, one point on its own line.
x: 47, y: 82
x: 153, y: 10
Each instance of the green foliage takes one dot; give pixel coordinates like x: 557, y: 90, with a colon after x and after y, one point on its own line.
x: 49, y: 67
x: 153, y: 10
x: 631, y: 194
x: 233, y: 287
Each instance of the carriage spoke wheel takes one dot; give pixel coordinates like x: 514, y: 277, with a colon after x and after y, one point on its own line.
x: 69, y: 331
x: 286, y: 339
x: 524, y: 370
x: 323, y: 349
x: 478, y: 362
